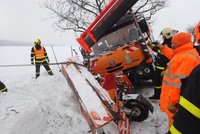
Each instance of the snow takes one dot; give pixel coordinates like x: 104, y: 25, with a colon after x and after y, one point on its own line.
x: 47, y: 105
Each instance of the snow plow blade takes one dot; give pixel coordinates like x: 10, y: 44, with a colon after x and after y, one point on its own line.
x: 103, y: 22
x: 96, y: 105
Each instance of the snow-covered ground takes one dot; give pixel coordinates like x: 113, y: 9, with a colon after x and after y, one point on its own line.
x: 47, y: 105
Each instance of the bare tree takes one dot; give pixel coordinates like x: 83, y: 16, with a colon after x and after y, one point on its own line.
x: 149, y: 7
x: 190, y: 29
x: 76, y: 15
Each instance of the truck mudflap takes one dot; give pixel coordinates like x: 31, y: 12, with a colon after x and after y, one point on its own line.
x: 103, y: 22
x: 96, y: 106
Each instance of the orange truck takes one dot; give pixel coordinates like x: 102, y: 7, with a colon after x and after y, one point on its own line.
x: 122, y: 49
x: 116, y: 42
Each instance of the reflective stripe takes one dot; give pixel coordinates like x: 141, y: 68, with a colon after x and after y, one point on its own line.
x: 173, y: 130
x: 37, y: 72
x: 39, y: 54
x: 4, y: 89
x: 197, y: 56
x: 40, y: 61
x: 176, y: 85
x: 49, y: 71
x: 189, y: 107
x: 159, y: 67
x: 32, y: 52
x: 157, y: 87
x: 168, y: 73
x: 180, y: 76
x: 162, y: 73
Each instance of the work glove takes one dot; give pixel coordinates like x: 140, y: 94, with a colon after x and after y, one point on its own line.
x: 162, y: 73
x: 158, y: 46
x: 155, y: 43
x: 172, y: 109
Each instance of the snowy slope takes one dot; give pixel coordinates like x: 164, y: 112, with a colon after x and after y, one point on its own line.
x: 41, y: 106
x: 48, y: 106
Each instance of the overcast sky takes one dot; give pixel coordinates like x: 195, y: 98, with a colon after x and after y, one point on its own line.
x: 24, y: 20
x: 178, y: 15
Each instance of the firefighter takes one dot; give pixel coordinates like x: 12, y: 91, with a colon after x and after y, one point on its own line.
x: 3, y: 88
x: 39, y: 54
x: 168, y: 52
x: 185, y: 59
x: 187, y: 118
x: 161, y: 61
x: 167, y: 34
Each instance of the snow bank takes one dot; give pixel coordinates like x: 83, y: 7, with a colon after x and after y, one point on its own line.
x: 42, y: 106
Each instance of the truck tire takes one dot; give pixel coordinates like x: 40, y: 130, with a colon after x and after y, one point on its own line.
x: 139, y: 112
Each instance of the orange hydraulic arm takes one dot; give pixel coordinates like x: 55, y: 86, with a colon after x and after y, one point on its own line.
x: 103, y: 22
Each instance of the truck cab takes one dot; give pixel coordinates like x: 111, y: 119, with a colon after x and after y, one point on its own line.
x: 123, y: 48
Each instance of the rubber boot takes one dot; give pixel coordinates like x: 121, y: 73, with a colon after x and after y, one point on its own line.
x: 37, y: 75
x: 156, y: 95
x: 50, y: 73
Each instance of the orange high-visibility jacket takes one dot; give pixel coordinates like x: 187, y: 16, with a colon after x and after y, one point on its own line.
x: 184, y: 60
x: 168, y: 52
x: 39, y: 54
x: 197, y: 33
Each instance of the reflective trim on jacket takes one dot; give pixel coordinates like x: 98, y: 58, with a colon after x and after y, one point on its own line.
x: 184, y: 60
x: 39, y: 54
x: 187, y: 118
x: 173, y: 130
x: 194, y: 110
x: 3, y: 89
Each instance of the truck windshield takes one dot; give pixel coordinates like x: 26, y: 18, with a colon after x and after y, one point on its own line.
x: 115, y: 39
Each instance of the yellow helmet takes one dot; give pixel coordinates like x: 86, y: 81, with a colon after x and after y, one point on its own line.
x: 168, y: 32
x: 37, y: 42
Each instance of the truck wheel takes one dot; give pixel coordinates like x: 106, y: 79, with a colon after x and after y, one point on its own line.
x: 138, y: 111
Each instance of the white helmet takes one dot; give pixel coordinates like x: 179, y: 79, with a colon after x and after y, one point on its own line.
x: 168, y: 32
